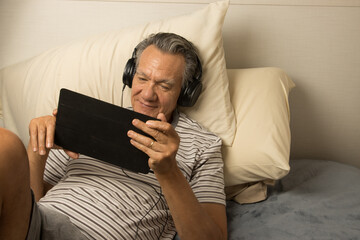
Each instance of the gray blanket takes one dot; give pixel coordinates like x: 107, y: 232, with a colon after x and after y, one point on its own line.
x: 316, y: 200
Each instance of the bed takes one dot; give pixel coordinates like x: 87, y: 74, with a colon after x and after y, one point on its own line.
x: 291, y: 163
x: 317, y: 200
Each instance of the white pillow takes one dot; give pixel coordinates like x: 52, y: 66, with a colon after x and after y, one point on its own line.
x: 95, y: 66
x: 261, y: 147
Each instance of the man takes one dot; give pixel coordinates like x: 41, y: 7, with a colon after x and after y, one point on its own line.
x: 83, y: 197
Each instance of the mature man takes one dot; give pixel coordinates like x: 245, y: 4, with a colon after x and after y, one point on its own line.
x: 78, y: 197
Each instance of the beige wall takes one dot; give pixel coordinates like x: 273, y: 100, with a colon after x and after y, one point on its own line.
x: 319, y: 47
x: 317, y: 42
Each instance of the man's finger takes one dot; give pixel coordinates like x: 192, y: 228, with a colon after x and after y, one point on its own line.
x: 41, y: 140
x: 33, y: 137
x: 161, y: 117
x: 71, y: 154
x: 162, y: 127
x: 146, y: 149
x: 50, y: 131
x: 149, y: 130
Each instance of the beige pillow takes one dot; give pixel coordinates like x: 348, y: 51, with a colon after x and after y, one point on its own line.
x: 261, y: 147
x: 247, y: 192
x: 94, y: 67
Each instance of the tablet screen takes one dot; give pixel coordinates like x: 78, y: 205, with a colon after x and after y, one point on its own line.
x: 99, y: 129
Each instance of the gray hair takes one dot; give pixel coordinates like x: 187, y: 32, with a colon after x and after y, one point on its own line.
x: 174, y: 44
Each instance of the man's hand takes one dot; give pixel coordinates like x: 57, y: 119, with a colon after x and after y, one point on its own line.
x: 161, y: 152
x: 185, y: 209
x: 42, y: 132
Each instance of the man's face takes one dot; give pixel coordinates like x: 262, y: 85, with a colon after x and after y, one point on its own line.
x: 157, y: 82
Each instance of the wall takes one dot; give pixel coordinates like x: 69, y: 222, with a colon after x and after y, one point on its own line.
x: 319, y: 47
x: 317, y: 42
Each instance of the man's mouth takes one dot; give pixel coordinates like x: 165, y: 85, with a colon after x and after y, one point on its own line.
x: 147, y: 105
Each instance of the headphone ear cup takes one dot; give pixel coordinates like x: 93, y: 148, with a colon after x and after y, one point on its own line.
x: 129, y: 72
x: 190, y: 94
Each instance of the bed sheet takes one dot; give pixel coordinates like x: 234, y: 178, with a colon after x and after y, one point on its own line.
x: 317, y: 200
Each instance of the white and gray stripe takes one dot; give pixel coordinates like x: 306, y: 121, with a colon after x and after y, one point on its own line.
x: 106, y: 202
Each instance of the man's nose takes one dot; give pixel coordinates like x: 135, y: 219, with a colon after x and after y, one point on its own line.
x: 149, y: 92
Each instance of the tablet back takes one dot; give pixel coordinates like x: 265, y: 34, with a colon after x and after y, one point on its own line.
x: 99, y: 129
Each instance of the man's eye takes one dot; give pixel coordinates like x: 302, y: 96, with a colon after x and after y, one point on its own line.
x: 165, y: 87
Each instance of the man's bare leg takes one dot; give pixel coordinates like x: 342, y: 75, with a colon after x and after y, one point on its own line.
x: 15, y: 194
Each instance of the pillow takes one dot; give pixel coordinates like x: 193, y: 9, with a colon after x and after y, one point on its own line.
x: 247, y: 192
x: 261, y: 146
x: 94, y: 67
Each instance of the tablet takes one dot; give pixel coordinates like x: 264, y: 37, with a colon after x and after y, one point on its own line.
x: 99, y: 129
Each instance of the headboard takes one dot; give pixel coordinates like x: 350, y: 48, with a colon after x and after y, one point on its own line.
x: 315, y: 41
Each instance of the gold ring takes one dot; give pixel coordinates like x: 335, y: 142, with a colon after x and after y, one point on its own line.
x: 151, y: 144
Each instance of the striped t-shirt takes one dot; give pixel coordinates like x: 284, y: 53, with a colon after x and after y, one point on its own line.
x: 107, y: 202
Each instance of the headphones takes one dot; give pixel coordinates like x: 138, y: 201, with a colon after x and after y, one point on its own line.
x: 188, y: 95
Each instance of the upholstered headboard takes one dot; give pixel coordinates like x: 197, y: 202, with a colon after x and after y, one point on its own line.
x: 316, y: 42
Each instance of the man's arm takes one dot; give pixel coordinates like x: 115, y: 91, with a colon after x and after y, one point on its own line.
x: 192, y: 219
x: 42, y: 132
x: 37, y: 166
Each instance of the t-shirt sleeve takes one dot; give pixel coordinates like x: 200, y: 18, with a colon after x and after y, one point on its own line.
x: 207, y: 180
x: 55, y: 166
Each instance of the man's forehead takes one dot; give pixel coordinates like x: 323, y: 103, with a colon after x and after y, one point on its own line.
x: 159, y: 79
x: 161, y: 65
x: 153, y: 51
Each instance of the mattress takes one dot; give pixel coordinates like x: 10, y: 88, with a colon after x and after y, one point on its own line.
x: 317, y: 200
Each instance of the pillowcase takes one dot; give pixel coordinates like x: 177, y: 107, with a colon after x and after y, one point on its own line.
x: 95, y: 66
x: 261, y: 146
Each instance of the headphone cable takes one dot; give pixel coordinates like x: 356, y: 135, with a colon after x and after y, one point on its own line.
x: 148, y: 211
x: 122, y: 95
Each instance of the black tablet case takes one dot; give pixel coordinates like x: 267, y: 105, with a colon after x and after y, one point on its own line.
x: 99, y: 129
